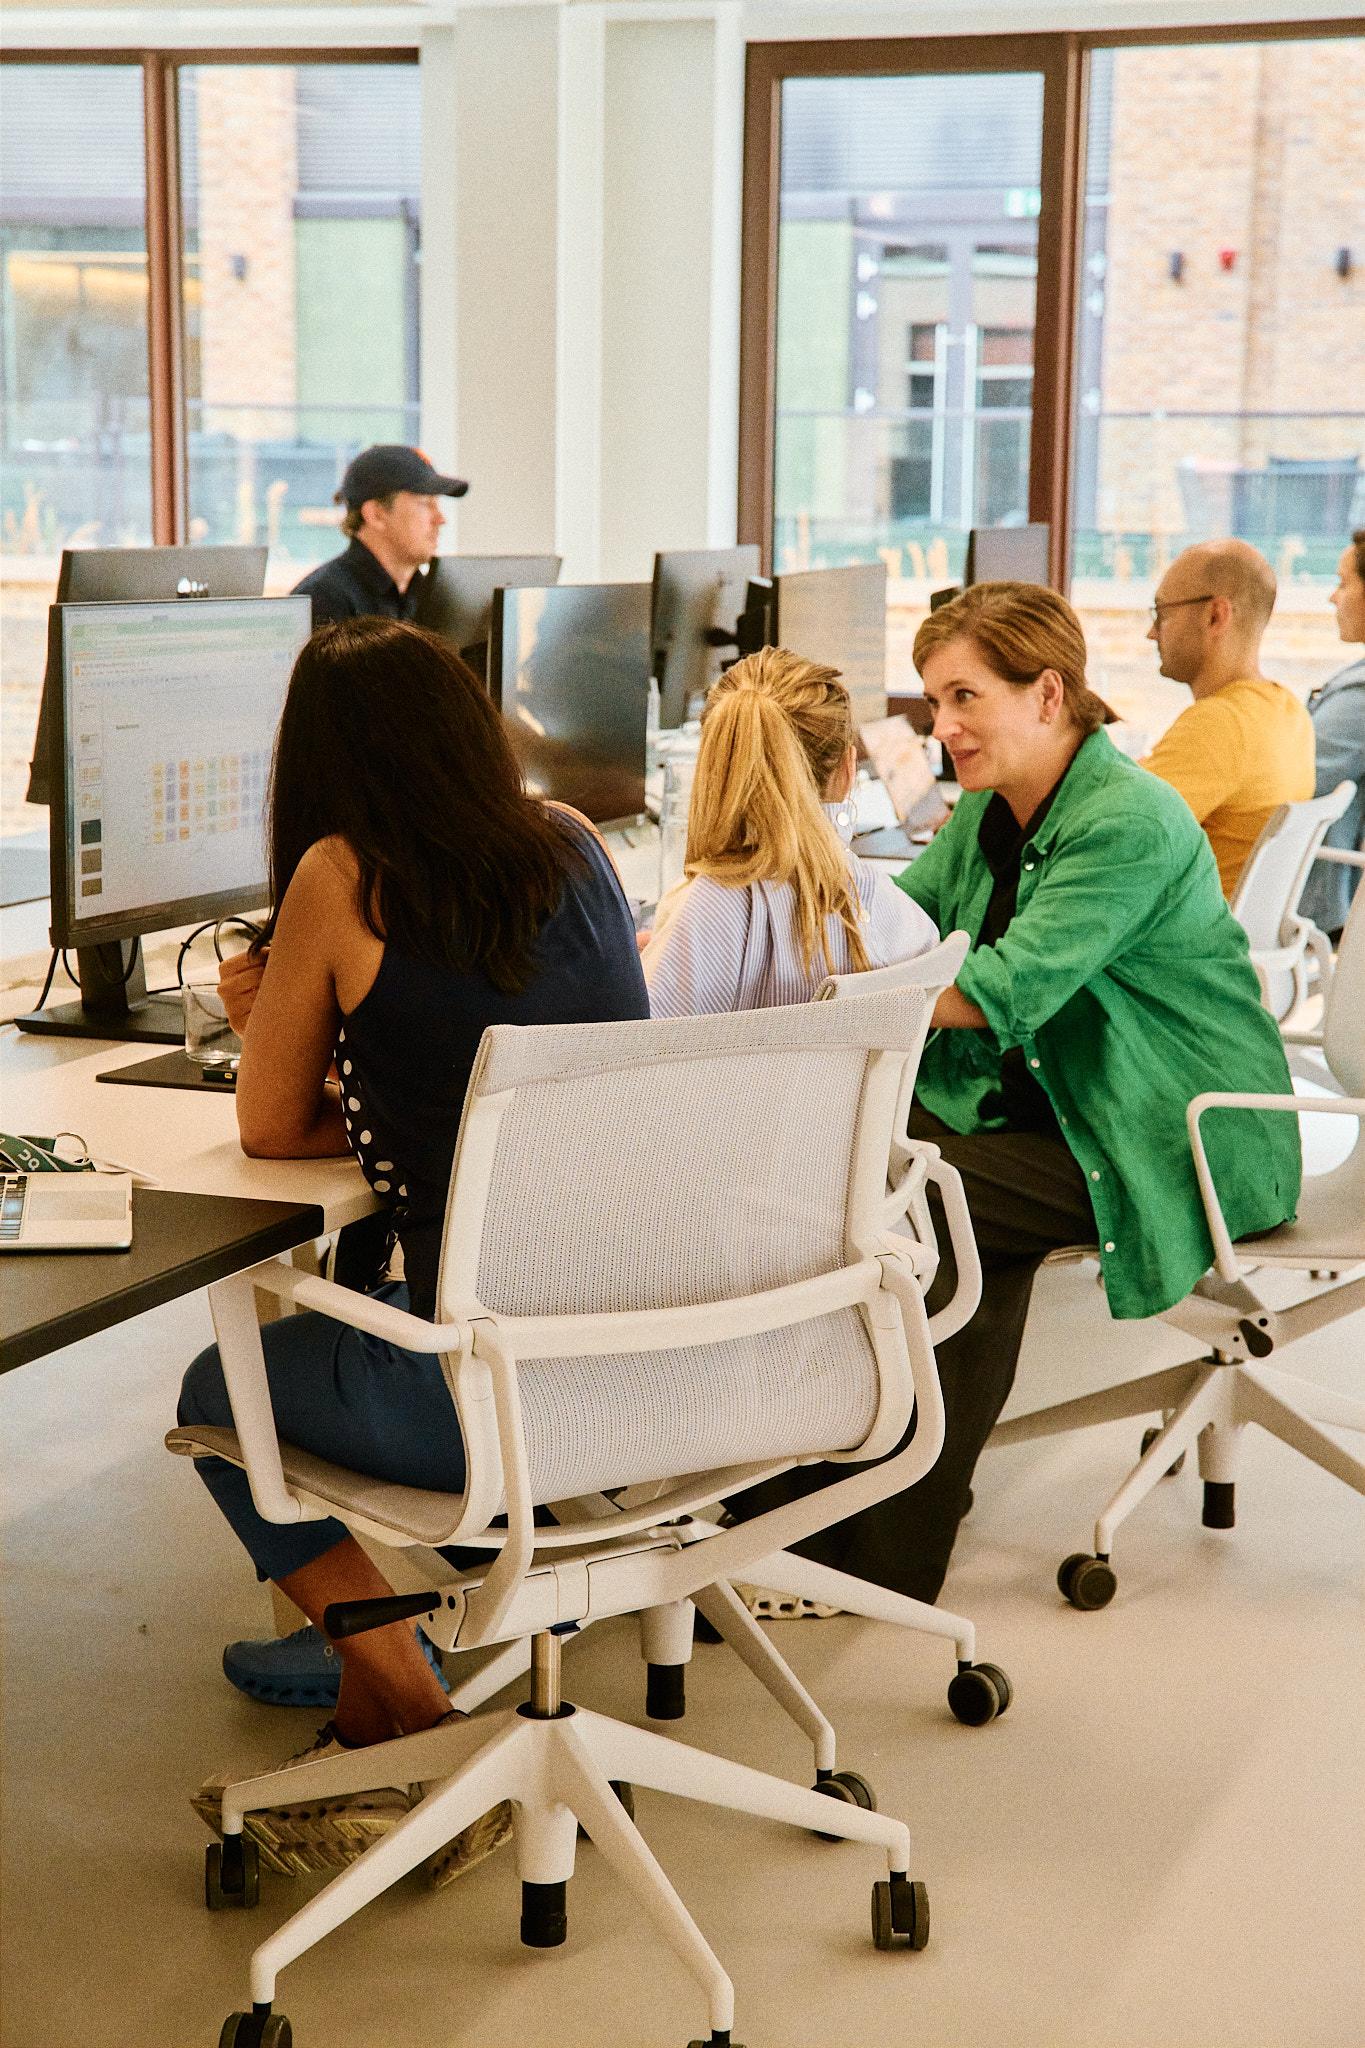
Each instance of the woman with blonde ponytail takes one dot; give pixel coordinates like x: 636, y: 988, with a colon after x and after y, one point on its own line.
x: 772, y: 901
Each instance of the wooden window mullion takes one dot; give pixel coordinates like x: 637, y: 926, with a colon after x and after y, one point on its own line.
x: 165, y: 319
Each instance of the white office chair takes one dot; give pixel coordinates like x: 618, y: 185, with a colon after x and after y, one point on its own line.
x: 1212, y: 1399
x: 671, y: 1263
x: 1304, y: 1045
x: 1266, y: 900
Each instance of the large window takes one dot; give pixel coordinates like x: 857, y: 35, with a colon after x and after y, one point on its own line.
x: 299, y: 197
x: 1220, y: 338
x: 1116, y: 284
x: 74, y: 430
x: 906, y: 283
x: 216, y: 391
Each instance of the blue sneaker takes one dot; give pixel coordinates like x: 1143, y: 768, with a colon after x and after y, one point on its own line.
x: 302, y: 1670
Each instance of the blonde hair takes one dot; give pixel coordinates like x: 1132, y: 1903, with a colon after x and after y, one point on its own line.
x: 1019, y: 629
x: 774, y: 731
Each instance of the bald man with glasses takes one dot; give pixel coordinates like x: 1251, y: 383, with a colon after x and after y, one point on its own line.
x: 1245, y: 745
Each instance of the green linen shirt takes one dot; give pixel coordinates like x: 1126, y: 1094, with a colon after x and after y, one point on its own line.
x: 1126, y: 981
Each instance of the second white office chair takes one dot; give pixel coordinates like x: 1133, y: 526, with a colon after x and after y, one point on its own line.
x: 1266, y: 900
x: 1210, y: 1401
x: 672, y: 1262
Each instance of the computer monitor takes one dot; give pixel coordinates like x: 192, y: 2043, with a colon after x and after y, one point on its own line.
x: 455, y: 597
x: 124, y: 575
x: 569, y: 668
x: 699, y: 593
x: 1008, y: 554
x: 166, y: 717
x: 834, y: 616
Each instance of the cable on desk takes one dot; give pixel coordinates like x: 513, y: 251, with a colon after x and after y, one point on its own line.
x: 51, y: 970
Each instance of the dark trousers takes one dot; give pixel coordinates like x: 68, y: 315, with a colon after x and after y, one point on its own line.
x: 1027, y: 1196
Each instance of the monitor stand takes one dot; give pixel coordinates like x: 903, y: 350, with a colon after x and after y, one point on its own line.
x: 114, y: 1002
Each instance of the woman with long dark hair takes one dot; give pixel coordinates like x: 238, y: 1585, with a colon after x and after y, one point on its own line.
x: 419, y: 895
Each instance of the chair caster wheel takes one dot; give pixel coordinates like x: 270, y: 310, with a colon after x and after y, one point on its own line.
x: 900, y: 1913
x: 716, y: 2041
x: 626, y: 1794
x: 979, y: 1693
x: 1149, y: 1437
x: 232, y: 1873
x: 852, y: 1789
x: 1087, y: 1582
x: 256, y: 2030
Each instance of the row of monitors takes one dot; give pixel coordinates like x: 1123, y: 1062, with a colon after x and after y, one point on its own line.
x: 702, y: 608
x: 160, y: 715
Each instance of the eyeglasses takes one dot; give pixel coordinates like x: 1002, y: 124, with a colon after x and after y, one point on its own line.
x: 1173, y: 604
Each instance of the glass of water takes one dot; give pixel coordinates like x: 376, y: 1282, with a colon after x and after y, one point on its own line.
x: 210, y: 1040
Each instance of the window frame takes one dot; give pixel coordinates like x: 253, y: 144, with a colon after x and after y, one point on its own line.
x: 160, y: 71
x: 1063, y: 59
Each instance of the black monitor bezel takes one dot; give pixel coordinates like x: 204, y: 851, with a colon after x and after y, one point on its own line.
x: 236, y: 558
x: 69, y: 931
x: 497, y: 679
x: 744, y: 561
x: 442, y: 566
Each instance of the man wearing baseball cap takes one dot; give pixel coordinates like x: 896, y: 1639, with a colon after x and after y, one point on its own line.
x: 392, y: 520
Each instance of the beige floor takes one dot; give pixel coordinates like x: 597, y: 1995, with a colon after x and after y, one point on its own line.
x: 1160, y: 1847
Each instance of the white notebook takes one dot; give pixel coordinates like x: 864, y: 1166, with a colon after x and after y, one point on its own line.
x: 75, y: 1212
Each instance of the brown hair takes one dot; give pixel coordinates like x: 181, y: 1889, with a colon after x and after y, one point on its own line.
x: 1358, y: 543
x: 774, y: 730
x: 354, y: 517
x: 1019, y: 629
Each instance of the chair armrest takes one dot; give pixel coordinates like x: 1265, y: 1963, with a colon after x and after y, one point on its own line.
x: 360, y: 1311
x: 958, y: 1311
x: 1225, y: 1255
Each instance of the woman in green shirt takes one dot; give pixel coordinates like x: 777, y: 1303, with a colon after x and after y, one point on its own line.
x: 1107, y: 985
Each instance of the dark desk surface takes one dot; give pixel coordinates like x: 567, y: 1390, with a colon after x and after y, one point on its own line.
x: 180, y: 1243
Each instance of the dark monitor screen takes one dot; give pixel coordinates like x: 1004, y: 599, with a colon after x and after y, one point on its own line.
x: 569, y: 667
x: 166, y: 720
x: 125, y: 575
x: 455, y: 597
x: 699, y: 593
x: 838, y: 616
x: 1008, y: 554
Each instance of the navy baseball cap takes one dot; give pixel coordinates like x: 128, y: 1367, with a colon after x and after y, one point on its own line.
x: 390, y: 467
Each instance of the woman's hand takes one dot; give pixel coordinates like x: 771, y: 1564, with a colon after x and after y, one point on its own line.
x: 239, y: 979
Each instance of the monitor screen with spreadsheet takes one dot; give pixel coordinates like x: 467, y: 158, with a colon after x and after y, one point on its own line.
x: 168, y: 717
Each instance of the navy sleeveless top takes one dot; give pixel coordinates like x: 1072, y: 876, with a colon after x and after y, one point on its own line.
x: 405, y: 1052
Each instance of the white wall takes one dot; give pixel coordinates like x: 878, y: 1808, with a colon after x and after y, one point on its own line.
x: 657, y: 289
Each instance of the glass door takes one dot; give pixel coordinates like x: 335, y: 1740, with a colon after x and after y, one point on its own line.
x: 907, y: 274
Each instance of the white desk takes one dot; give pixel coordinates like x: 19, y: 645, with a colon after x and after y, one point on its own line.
x: 181, y: 1139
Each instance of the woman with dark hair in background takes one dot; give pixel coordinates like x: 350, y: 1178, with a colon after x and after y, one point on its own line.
x: 1337, y: 710
x: 1107, y: 985
x: 419, y: 895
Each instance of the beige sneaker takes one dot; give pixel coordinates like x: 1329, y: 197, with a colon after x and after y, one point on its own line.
x: 767, y: 1605
x: 470, y: 1846
x: 327, y: 1834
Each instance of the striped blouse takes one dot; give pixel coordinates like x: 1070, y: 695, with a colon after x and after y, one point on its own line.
x: 720, y: 948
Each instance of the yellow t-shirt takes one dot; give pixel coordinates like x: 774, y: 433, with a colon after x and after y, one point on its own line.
x: 1234, y: 757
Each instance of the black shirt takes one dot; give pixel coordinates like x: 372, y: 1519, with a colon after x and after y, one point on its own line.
x: 405, y: 1053
x: 356, y: 585
x: 1020, y: 1100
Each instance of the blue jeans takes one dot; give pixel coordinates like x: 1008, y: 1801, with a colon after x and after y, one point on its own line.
x: 344, y: 1396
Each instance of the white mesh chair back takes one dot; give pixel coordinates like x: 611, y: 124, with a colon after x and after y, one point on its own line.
x: 1343, y: 1024
x: 929, y: 972
x: 641, y: 1166
x: 1266, y: 899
